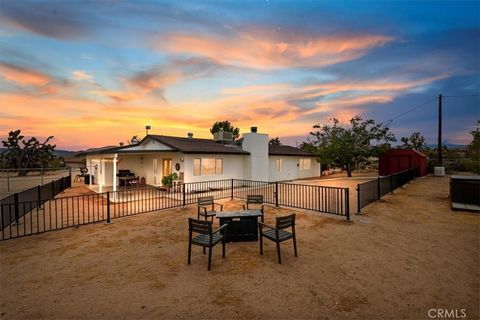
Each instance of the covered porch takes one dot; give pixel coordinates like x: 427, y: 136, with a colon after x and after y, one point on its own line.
x: 126, y: 171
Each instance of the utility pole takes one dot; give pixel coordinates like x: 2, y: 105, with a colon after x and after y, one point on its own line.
x: 440, y: 160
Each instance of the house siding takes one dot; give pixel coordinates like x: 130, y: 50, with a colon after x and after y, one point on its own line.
x: 291, y: 169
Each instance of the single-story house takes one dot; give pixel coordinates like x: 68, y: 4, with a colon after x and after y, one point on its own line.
x: 196, y: 160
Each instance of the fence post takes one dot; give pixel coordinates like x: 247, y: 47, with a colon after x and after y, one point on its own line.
x: 70, y: 175
x: 62, y: 183
x: 347, y: 203
x: 358, y: 199
x: 378, y: 188
x: 231, y: 189
x: 53, y: 188
x: 41, y: 176
x: 184, y: 200
x: 17, y: 208
x: 276, y: 194
x: 39, y: 196
x: 108, y: 207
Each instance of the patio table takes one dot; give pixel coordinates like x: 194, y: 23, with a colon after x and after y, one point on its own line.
x: 242, y: 225
x: 128, y: 181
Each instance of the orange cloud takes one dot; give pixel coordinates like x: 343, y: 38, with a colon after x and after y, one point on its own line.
x: 22, y: 75
x: 81, y: 75
x: 270, y: 51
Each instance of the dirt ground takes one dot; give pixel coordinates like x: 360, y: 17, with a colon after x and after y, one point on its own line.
x: 404, y: 256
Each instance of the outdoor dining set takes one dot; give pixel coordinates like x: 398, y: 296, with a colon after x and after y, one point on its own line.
x: 241, y: 225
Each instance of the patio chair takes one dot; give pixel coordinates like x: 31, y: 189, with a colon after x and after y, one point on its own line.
x: 81, y: 177
x: 206, y: 238
x: 254, y: 200
x: 206, y: 207
x: 279, y: 234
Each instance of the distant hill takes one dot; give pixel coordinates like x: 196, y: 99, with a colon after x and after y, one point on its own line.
x: 58, y: 153
x: 448, y: 145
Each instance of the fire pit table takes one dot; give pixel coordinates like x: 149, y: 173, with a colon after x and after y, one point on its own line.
x: 242, y: 225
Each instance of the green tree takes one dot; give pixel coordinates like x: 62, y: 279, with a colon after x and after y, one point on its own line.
x: 415, y: 142
x: 275, y: 142
x: 23, y: 154
x: 349, y: 147
x: 473, y: 149
x: 225, y: 126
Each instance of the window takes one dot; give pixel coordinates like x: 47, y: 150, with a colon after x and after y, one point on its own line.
x: 196, y: 167
x: 219, y: 166
x: 305, y: 164
x: 279, y: 164
x: 207, y: 166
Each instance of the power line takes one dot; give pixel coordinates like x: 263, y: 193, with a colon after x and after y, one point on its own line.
x: 462, y: 96
x: 411, y: 110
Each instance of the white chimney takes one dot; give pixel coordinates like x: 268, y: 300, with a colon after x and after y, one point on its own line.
x: 256, y: 166
x: 190, y: 135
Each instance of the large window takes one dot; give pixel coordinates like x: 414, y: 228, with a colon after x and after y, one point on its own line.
x: 207, y: 166
x: 305, y: 164
x: 279, y: 164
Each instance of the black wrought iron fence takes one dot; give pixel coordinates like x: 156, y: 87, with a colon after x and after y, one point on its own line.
x: 374, y: 190
x: 46, y: 213
x: 15, y: 206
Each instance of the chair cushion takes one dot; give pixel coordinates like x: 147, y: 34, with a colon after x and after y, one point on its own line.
x: 204, y: 239
x: 282, y: 235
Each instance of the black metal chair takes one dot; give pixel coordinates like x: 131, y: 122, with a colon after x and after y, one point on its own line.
x: 81, y: 177
x: 254, y: 200
x: 206, y: 207
x: 278, y: 234
x: 206, y: 238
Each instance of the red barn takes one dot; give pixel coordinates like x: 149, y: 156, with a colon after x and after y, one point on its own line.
x: 397, y: 160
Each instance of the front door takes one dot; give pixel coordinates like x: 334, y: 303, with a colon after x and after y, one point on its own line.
x: 166, y: 166
x: 156, y: 172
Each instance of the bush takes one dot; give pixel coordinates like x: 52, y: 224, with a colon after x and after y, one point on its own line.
x: 168, y: 180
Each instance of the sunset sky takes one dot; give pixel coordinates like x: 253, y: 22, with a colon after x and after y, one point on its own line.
x: 94, y: 73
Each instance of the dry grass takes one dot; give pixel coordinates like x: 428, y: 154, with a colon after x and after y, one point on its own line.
x: 405, y: 255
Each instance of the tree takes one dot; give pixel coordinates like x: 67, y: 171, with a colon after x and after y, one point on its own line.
x: 275, y: 142
x: 33, y: 153
x: 473, y: 149
x: 349, y: 147
x: 225, y: 126
x: 415, y: 142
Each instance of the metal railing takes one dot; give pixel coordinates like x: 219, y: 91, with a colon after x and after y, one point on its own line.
x: 15, y: 206
x: 47, y: 213
x: 374, y: 190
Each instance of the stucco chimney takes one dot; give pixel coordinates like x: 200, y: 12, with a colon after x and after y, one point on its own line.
x: 256, y: 165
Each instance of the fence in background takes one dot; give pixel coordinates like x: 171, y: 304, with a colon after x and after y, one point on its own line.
x: 38, y: 216
x: 16, y: 180
x: 16, y: 205
x: 374, y: 190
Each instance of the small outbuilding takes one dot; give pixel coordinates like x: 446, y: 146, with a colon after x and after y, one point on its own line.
x: 397, y: 160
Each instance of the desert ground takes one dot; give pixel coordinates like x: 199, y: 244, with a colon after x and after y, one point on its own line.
x: 405, y: 255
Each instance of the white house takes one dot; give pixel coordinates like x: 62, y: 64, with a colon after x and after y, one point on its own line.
x: 195, y: 160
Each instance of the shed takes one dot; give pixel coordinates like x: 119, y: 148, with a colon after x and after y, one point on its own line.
x: 397, y: 160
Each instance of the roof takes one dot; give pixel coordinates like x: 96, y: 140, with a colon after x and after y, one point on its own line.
x: 399, y: 151
x: 194, y: 145
x: 179, y: 144
x: 275, y: 150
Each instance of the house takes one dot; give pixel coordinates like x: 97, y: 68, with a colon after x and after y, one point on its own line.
x: 196, y: 160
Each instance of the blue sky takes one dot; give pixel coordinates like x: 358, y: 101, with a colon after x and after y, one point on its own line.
x: 94, y: 73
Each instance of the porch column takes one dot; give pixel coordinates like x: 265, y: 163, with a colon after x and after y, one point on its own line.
x: 115, y: 157
x: 90, y: 172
